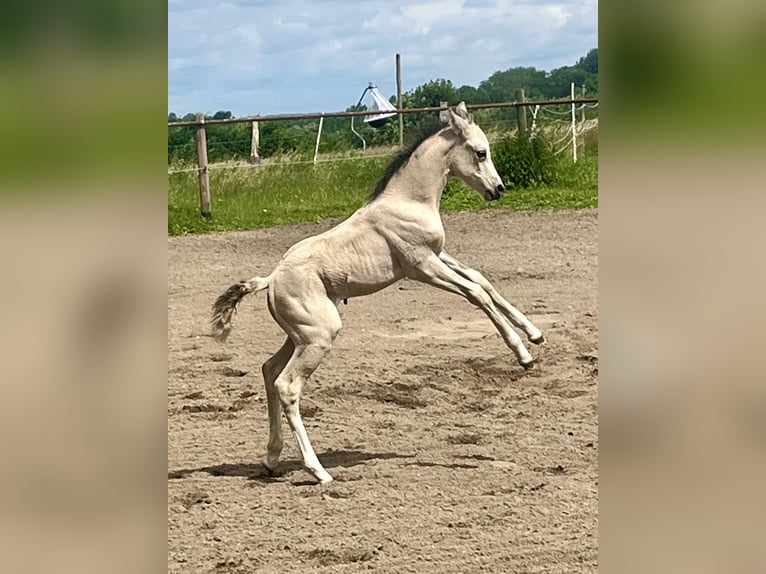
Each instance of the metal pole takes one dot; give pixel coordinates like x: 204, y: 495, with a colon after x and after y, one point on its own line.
x: 319, y: 135
x: 582, y: 122
x: 399, y: 98
x: 254, y: 143
x: 574, y: 129
x: 364, y: 143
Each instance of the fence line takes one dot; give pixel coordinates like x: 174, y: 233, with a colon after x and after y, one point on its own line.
x: 488, y: 126
x: 266, y: 164
x: 200, y: 122
x: 317, y: 115
x: 243, y: 164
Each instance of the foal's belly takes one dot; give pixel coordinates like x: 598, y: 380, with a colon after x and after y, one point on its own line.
x: 364, y: 277
x: 352, y: 259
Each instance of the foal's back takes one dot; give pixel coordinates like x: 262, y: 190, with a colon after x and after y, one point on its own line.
x: 352, y: 259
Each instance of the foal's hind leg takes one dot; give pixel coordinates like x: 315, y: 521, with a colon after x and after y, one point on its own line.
x: 271, y: 370
x: 512, y: 313
x: 312, y: 325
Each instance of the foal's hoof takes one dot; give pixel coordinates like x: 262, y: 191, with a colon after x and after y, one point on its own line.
x: 269, y: 470
x: 326, y: 480
x: 530, y: 365
x: 539, y: 340
x: 322, y: 476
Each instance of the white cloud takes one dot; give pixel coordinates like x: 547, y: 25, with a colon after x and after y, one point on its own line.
x: 423, y: 15
x: 300, y: 55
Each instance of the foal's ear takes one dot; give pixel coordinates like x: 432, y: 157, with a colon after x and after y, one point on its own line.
x: 462, y: 111
x: 460, y: 119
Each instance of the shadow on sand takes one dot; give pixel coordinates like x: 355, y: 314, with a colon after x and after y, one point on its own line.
x: 330, y: 459
x: 256, y: 471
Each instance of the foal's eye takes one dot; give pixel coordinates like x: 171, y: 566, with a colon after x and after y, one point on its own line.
x: 481, y: 154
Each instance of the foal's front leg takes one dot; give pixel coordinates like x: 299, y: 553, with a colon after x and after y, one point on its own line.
x: 433, y: 271
x: 514, y: 315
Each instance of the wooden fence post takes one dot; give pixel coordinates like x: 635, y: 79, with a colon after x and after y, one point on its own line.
x: 521, y: 111
x: 444, y: 116
x: 254, y: 144
x: 204, y: 180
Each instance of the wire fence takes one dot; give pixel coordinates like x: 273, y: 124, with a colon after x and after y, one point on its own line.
x: 224, y: 140
x: 561, y: 130
x: 241, y: 164
x: 559, y: 123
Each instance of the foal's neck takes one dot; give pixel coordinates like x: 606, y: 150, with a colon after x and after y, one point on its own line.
x: 425, y: 174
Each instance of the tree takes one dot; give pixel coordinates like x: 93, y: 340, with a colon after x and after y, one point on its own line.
x: 431, y: 94
x: 502, y: 86
x: 181, y: 144
x: 471, y: 95
x: 561, y: 79
x: 589, y: 62
x: 226, y: 141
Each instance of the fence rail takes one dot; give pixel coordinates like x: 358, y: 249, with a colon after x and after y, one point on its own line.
x: 317, y: 115
x: 521, y: 105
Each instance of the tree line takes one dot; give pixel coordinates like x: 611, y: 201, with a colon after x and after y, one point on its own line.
x: 230, y: 141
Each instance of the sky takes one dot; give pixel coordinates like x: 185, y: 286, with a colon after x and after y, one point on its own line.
x: 294, y: 56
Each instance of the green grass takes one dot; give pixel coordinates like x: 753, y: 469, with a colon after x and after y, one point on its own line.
x: 248, y: 198
x: 574, y: 186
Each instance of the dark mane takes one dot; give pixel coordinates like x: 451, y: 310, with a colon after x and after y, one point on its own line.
x: 401, y: 158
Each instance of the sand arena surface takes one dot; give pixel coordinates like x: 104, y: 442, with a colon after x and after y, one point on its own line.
x: 447, y: 456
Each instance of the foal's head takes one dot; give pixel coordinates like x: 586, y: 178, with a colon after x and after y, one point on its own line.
x: 471, y: 160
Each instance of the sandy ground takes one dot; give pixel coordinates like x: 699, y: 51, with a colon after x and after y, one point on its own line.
x: 447, y: 456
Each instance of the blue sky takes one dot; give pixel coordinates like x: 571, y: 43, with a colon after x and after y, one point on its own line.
x: 290, y: 56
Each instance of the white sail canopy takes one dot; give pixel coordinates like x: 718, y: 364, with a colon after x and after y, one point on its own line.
x: 379, y: 104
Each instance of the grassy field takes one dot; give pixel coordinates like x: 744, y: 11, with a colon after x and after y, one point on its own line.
x: 272, y: 194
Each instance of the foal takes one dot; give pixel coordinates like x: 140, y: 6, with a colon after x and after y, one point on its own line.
x: 397, y: 234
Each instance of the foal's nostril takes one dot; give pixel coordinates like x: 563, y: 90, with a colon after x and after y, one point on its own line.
x: 500, y: 187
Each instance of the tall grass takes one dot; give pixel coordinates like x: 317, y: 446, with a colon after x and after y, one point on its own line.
x: 249, y: 197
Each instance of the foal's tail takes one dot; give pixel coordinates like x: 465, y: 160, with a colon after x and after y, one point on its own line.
x: 227, y: 302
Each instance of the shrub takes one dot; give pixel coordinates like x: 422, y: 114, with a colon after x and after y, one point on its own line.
x: 523, y: 161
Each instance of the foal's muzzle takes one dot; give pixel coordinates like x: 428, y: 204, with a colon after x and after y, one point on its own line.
x: 493, y: 194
